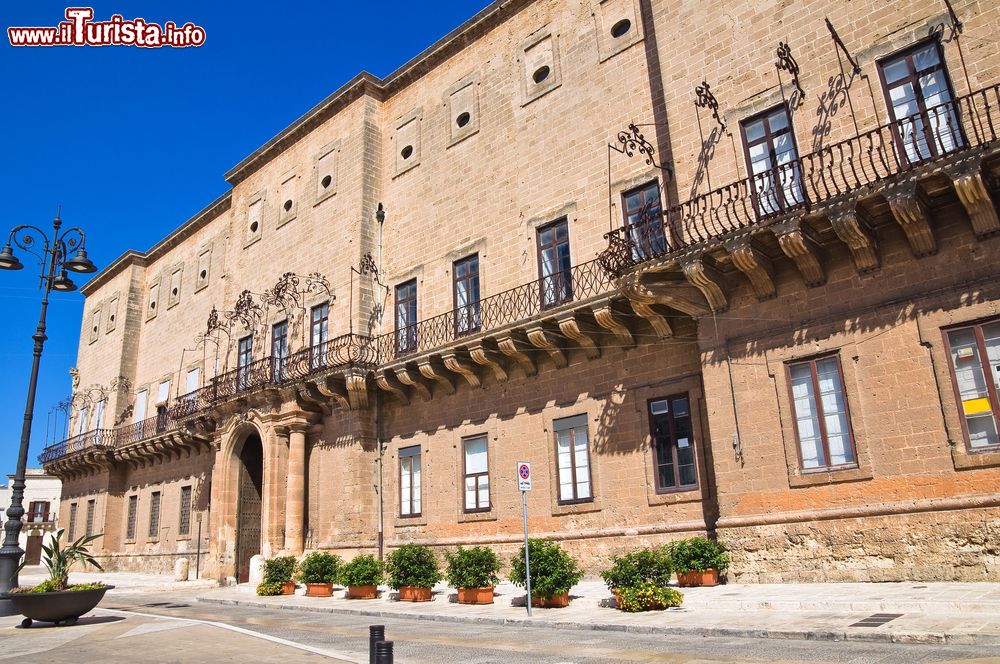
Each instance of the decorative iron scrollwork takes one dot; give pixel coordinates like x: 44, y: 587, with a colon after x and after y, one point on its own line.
x: 705, y: 99
x: 840, y: 44
x: 786, y: 61
x: 632, y: 142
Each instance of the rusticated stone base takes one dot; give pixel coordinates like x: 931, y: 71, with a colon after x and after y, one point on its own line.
x: 159, y: 563
x: 959, y: 545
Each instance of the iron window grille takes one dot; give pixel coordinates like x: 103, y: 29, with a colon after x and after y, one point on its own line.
x: 184, y: 527
x: 154, y: 515
x: 91, y: 507
x: 133, y: 508
x: 71, y: 530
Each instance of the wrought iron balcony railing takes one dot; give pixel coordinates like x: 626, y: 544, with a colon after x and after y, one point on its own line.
x: 965, y: 123
x: 110, y: 439
x: 580, y: 282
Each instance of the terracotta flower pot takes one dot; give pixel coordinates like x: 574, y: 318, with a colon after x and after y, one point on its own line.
x: 554, y: 602
x: 618, y: 596
x: 362, y: 592
x: 475, y: 595
x: 414, y: 594
x: 319, y: 589
x: 709, y: 577
x: 288, y: 588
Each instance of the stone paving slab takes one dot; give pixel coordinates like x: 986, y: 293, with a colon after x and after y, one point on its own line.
x: 791, y: 611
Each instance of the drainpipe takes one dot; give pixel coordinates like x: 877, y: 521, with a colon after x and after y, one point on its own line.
x: 380, y: 217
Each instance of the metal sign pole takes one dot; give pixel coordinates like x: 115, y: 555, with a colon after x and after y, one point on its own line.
x: 527, y: 561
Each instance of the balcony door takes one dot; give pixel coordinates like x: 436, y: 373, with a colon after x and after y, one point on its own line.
x: 243, y: 358
x: 644, y: 221
x: 556, y: 286
x: 920, y: 99
x: 773, y: 161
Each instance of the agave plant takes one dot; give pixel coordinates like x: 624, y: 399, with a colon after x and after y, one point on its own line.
x: 59, y: 559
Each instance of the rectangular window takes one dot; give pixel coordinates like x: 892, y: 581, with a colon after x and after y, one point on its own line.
x: 154, y: 515
x: 192, y: 380
x: 573, y: 459
x: 319, y: 330
x: 99, y: 413
x: 163, y: 393
x: 38, y: 511
x: 409, y: 481
x: 773, y: 161
x: 477, y: 474
x: 139, y: 412
x: 279, y: 349
x: 91, y: 507
x: 556, y: 285
x: 71, y: 530
x: 133, y: 508
x: 673, y: 443
x: 244, y: 357
x: 822, y: 419
x: 466, y: 286
x: 644, y: 221
x: 919, y: 95
x: 975, y: 372
x: 184, y: 528
x: 406, y: 317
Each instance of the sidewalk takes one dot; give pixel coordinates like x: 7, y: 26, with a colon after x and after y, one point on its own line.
x: 123, y: 582
x: 958, y: 613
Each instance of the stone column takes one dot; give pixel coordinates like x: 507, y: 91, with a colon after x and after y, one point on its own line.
x: 296, y: 492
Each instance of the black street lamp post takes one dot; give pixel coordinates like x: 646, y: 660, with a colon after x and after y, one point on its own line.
x: 54, y: 258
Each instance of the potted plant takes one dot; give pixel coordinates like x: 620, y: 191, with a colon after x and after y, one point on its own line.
x: 553, y: 573
x: 699, y: 561
x: 474, y: 573
x: 639, y: 580
x: 412, y: 570
x: 278, y: 572
x: 318, y: 571
x: 55, y: 600
x: 362, y: 576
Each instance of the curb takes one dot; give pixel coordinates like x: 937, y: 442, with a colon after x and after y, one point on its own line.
x: 737, y: 632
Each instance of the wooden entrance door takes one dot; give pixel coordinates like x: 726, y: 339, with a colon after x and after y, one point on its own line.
x: 33, y: 550
x: 248, y: 530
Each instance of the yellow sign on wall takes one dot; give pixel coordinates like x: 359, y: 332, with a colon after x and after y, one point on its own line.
x: 976, y: 406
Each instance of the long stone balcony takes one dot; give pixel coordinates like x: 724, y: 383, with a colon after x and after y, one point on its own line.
x: 154, y: 439
x: 895, y: 173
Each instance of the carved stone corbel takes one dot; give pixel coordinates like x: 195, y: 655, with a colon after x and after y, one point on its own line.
x: 975, y: 197
x: 357, y: 389
x: 514, y: 349
x: 389, y: 383
x: 707, y: 280
x: 414, y: 380
x: 483, y: 356
x: 462, y: 367
x: 334, y: 387
x: 433, y: 368
x: 581, y: 333
x: 676, y: 293
x: 609, y: 320
x: 801, y: 248
x: 855, y: 232
x: 309, y: 397
x: 756, y: 266
x: 910, y: 212
x: 542, y: 339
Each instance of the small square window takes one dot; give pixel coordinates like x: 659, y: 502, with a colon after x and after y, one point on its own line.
x: 112, y: 319
x: 407, y: 142
x: 204, y: 269
x: 463, y: 109
x: 174, y: 294
x: 540, y: 70
x: 254, y: 220
x: 326, y: 171
x: 152, y: 300
x: 95, y: 325
x: 287, y: 201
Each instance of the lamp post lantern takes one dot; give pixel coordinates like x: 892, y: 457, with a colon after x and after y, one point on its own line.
x: 58, y: 255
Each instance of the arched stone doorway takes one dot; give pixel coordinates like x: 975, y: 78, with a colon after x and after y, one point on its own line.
x: 250, y: 486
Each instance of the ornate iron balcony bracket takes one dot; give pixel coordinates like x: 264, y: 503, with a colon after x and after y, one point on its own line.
x: 840, y: 45
x: 705, y: 99
x: 786, y: 61
x: 632, y: 141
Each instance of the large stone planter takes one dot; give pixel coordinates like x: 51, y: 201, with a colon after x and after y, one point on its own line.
x: 475, y: 595
x: 62, y: 607
x: 554, y: 602
x: 414, y: 594
x: 692, y: 578
x: 362, y: 592
x: 319, y: 590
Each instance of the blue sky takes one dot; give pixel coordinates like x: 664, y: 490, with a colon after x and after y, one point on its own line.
x: 132, y: 142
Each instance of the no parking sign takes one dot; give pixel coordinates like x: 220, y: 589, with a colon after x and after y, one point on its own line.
x: 523, y: 476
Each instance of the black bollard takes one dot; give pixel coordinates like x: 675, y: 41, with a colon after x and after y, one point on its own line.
x: 376, y: 633
x: 383, y: 652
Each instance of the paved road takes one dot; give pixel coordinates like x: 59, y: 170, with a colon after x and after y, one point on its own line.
x: 444, y: 643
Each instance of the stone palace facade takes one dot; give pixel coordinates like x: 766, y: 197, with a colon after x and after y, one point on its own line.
x: 712, y: 268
